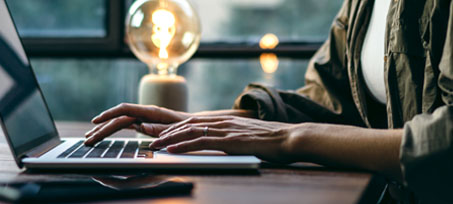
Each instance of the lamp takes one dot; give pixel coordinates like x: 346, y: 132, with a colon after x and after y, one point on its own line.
x: 163, y: 34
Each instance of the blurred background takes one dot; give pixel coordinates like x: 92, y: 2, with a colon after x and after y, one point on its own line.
x: 84, y: 66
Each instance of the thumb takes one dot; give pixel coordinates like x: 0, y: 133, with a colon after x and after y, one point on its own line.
x: 153, y: 129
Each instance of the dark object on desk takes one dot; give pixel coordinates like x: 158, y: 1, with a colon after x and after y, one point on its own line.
x: 106, y: 188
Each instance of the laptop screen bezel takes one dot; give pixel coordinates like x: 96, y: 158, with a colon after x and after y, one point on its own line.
x: 21, y: 151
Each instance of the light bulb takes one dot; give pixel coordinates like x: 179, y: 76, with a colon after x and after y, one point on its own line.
x: 269, y: 41
x: 163, y: 33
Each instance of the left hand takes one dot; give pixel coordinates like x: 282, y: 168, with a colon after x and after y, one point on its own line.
x: 231, y: 134
x: 131, y: 116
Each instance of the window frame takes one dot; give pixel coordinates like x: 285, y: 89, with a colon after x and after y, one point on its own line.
x: 113, y: 44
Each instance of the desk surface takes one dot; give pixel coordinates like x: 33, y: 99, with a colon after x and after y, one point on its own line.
x: 299, y: 183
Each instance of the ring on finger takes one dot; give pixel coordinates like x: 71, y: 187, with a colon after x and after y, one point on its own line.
x: 205, y: 131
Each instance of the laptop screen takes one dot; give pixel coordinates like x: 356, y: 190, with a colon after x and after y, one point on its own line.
x: 25, y: 118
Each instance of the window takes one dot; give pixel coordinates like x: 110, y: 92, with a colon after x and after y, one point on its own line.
x: 79, y: 89
x: 83, y: 65
x: 239, y: 20
x: 291, y: 20
x: 59, y: 19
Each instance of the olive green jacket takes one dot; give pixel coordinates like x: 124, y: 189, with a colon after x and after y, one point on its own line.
x: 419, y: 87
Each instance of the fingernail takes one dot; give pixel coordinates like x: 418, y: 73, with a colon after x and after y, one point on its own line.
x: 154, y: 148
x: 94, y: 119
x: 89, y: 133
x: 90, y: 140
x: 155, y: 144
x: 172, y: 148
x: 87, y: 142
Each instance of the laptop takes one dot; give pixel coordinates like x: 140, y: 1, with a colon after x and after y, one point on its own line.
x: 34, y: 141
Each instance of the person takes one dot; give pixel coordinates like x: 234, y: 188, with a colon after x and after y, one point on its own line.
x: 378, y: 97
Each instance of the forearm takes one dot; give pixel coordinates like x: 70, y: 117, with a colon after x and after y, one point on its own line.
x: 347, y: 146
x: 232, y: 112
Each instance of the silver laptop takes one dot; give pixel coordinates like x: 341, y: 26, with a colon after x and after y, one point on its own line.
x: 34, y: 140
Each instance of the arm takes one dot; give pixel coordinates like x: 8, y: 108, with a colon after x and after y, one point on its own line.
x: 347, y: 146
x: 427, y: 145
x: 331, y: 145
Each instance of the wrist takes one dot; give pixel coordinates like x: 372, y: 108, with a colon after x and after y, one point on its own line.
x: 299, y: 140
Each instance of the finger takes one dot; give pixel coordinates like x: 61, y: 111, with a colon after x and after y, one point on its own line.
x: 132, y: 110
x: 111, y: 127
x: 95, y: 129
x: 202, y: 143
x: 134, y: 126
x: 217, y: 125
x: 153, y: 129
x: 212, y: 120
x: 175, y: 126
x: 145, y: 113
x: 186, y: 134
x: 186, y: 126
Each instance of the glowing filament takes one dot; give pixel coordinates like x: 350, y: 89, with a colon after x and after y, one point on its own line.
x: 163, y: 30
x: 269, y: 41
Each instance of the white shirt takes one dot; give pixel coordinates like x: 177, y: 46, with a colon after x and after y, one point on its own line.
x: 373, y: 51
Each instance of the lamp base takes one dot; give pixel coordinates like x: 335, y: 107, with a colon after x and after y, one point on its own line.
x: 164, y: 91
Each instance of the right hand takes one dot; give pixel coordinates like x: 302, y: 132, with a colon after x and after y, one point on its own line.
x: 132, y: 116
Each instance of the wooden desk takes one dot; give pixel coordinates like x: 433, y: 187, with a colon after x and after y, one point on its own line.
x: 300, y: 183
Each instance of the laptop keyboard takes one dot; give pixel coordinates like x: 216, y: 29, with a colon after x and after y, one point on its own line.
x: 69, y: 150
x: 114, y: 150
x: 109, y: 149
x: 99, y: 150
x: 129, y: 150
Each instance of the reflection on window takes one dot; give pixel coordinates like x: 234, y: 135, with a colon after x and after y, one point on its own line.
x: 61, y: 18
x: 79, y: 89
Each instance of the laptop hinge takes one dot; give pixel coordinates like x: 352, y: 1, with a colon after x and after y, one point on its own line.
x: 43, y: 148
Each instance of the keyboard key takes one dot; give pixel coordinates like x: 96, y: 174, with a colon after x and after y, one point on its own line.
x: 114, y: 150
x: 99, y: 149
x: 147, y: 154
x: 144, y: 151
x: 79, y: 153
x: 130, y: 149
x: 144, y: 144
x: 70, y: 149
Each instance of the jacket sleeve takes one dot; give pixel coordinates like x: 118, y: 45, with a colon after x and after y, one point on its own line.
x: 427, y: 147
x: 326, y: 96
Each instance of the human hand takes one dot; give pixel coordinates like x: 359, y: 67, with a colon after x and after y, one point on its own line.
x: 132, y: 116
x: 231, y: 134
